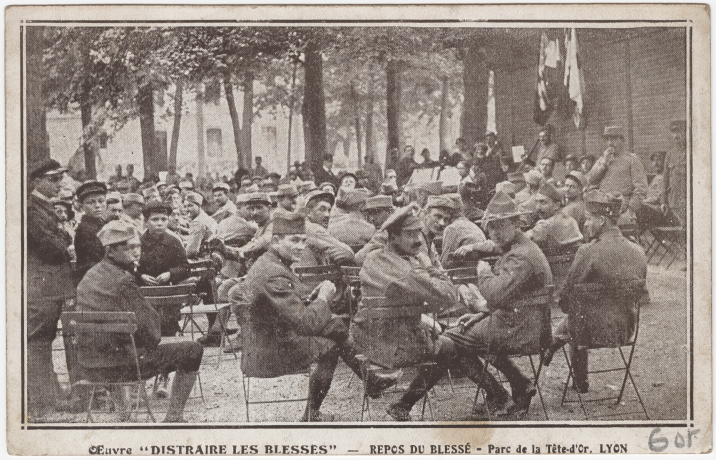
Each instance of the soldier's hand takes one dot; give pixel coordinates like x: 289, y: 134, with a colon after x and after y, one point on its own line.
x: 482, y: 267
x: 150, y: 280
x: 466, y: 321
x: 424, y: 259
x: 462, y: 251
x: 664, y: 209
x: 163, y: 278
x: 326, y: 290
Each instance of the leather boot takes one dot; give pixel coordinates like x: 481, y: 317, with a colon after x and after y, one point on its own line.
x: 181, y: 389
x: 496, y: 397
x: 378, y: 381
x: 318, y: 386
x: 428, y: 376
x: 580, y: 367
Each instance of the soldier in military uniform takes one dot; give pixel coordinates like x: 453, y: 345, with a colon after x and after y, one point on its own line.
x: 287, y: 326
x: 574, y: 185
x: 287, y: 196
x: 111, y: 286
x: 226, y: 208
x: 555, y: 230
x: 620, y: 172
x: 321, y: 247
x: 92, y: 195
x: 49, y: 284
x: 675, y: 174
x: 609, y: 259
x: 201, y: 226
x: 352, y: 229
x: 459, y: 232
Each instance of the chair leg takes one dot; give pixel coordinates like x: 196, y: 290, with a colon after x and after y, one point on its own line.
x: 89, y: 406
x: 142, y: 392
x: 633, y: 382
x: 536, y: 374
x: 246, y: 383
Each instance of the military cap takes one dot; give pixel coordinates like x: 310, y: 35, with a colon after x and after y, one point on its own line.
x: 613, y: 131
x: 677, y: 125
x: 603, y: 203
x: 533, y: 177
x: 516, y: 177
x: 287, y: 190
x: 289, y: 223
x: 186, y: 184
x: 661, y: 155
x: 507, y: 187
x: 328, y: 184
x: 253, y: 188
x: 500, y: 207
x: 570, y: 156
x: 320, y: 195
x: 456, y: 199
x: 550, y: 192
x: 405, y: 218
x: 114, y: 197
x: 379, y: 202
x: 117, y: 231
x: 258, y: 197
x: 193, y: 197
x: 221, y: 186
x: 241, y: 198
x: 348, y: 174
x: 307, y: 186
x: 246, y: 183
x: 66, y: 195
x: 274, y: 175
x: 579, y: 177
x: 432, y: 188
x: 156, y: 207
x: 47, y: 167
x: 355, y: 199
x: 257, y: 178
x: 161, y: 183
x: 132, y: 198
x: 91, y: 187
x: 440, y: 201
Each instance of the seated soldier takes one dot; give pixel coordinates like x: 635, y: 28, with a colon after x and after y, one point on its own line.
x: 226, y: 208
x: 520, y: 271
x: 378, y: 208
x: 436, y: 215
x: 574, y: 185
x: 526, y: 202
x: 321, y: 247
x: 555, y: 230
x: 163, y: 260
x: 402, y: 274
x: 290, y: 327
x: 110, y: 286
x: 459, y: 233
x: 352, y: 229
x: 609, y: 259
x: 201, y: 226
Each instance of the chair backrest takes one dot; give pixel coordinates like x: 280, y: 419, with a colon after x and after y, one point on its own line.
x: 597, y: 302
x: 318, y: 273
x: 463, y: 275
x: 162, y: 296
x: 471, y: 260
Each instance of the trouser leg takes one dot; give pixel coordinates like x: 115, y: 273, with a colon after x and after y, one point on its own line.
x: 478, y: 373
x: 518, y: 381
x: 445, y: 357
x: 580, y: 367
x: 42, y: 384
x: 320, y: 382
x: 181, y: 389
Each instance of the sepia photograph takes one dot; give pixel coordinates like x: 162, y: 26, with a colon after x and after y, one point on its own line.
x: 457, y: 224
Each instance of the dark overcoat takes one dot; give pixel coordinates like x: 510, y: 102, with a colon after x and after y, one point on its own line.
x: 88, y: 247
x: 163, y: 253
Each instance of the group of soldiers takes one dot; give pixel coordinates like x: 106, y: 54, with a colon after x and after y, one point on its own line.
x: 403, y: 242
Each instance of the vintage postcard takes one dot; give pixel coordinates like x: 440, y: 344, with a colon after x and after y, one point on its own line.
x: 331, y: 230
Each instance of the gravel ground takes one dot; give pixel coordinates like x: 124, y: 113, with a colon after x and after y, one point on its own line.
x: 659, y: 368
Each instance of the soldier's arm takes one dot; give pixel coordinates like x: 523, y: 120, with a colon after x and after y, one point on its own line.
x: 419, y: 285
x: 181, y: 270
x: 578, y: 273
x: 638, y: 177
x: 596, y: 174
x: 148, y: 333
x: 378, y: 241
x: 497, y: 289
x: 338, y: 253
x: 193, y: 241
x: 50, y: 244
x: 308, y: 319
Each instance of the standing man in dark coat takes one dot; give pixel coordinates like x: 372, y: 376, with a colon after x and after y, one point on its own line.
x: 675, y: 174
x: 49, y: 284
x: 608, y: 260
x: 325, y: 174
x: 92, y: 196
x: 288, y: 327
x: 110, y: 286
x: 406, y: 165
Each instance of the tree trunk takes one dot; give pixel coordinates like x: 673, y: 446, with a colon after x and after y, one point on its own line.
x: 393, y: 103
x: 476, y: 77
x: 444, y: 114
x: 290, y: 116
x: 356, y: 115
x: 200, y: 148
x: 247, y: 115
x: 231, y: 102
x: 38, y: 148
x: 314, y: 108
x: 369, y: 135
x: 178, y: 101
x: 145, y: 100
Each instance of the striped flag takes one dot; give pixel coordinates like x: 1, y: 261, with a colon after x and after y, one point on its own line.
x: 574, y: 79
x: 547, y: 79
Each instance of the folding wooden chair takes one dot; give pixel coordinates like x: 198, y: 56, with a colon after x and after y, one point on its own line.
x: 75, y: 325
x: 314, y: 275
x: 671, y: 241
x: 351, y: 278
x: 376, y: 309
x: 582, y: 302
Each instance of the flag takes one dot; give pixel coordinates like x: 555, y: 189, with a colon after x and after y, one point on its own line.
x: 491, y: 108
x: 574, y: 79
x: 550, y: 59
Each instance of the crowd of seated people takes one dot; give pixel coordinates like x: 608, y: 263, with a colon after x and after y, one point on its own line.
x: 103, y: 241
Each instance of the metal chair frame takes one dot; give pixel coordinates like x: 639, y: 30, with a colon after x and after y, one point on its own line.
x: 665, y: 238
x: 124, y: 323
x: 590, y: 290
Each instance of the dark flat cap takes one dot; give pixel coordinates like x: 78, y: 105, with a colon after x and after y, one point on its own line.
x: 156, y: 207
x: 91, y: 187
x: 47, y: 167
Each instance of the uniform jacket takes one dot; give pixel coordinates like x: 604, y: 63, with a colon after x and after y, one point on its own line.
x: 521, y: 271
x: 163, y: 253
x: 377, y: 241
x: 555, y: 232
x: 675, y: 182
x: 324, y: 249
x: 351, y: 230
x: 282, y: 331
x: 609, y: 259
x: 201, y: 229
x: 108, y: 287
x: 88, y: 247
x: 459, y: 233
x: 577, y: 211
x: 49, y: 276
x: 224, y: 212
x: 406, y: 284
x: 625, y: 174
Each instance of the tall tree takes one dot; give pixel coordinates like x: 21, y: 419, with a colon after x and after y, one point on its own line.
x: 178, y: 108
x: 37, y: 142
x: 314, y: 105
x: 393, y: 108
x: 231, y: 102
x: 476, y: 79
x: 247, y: 115
x: 145, y: 100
